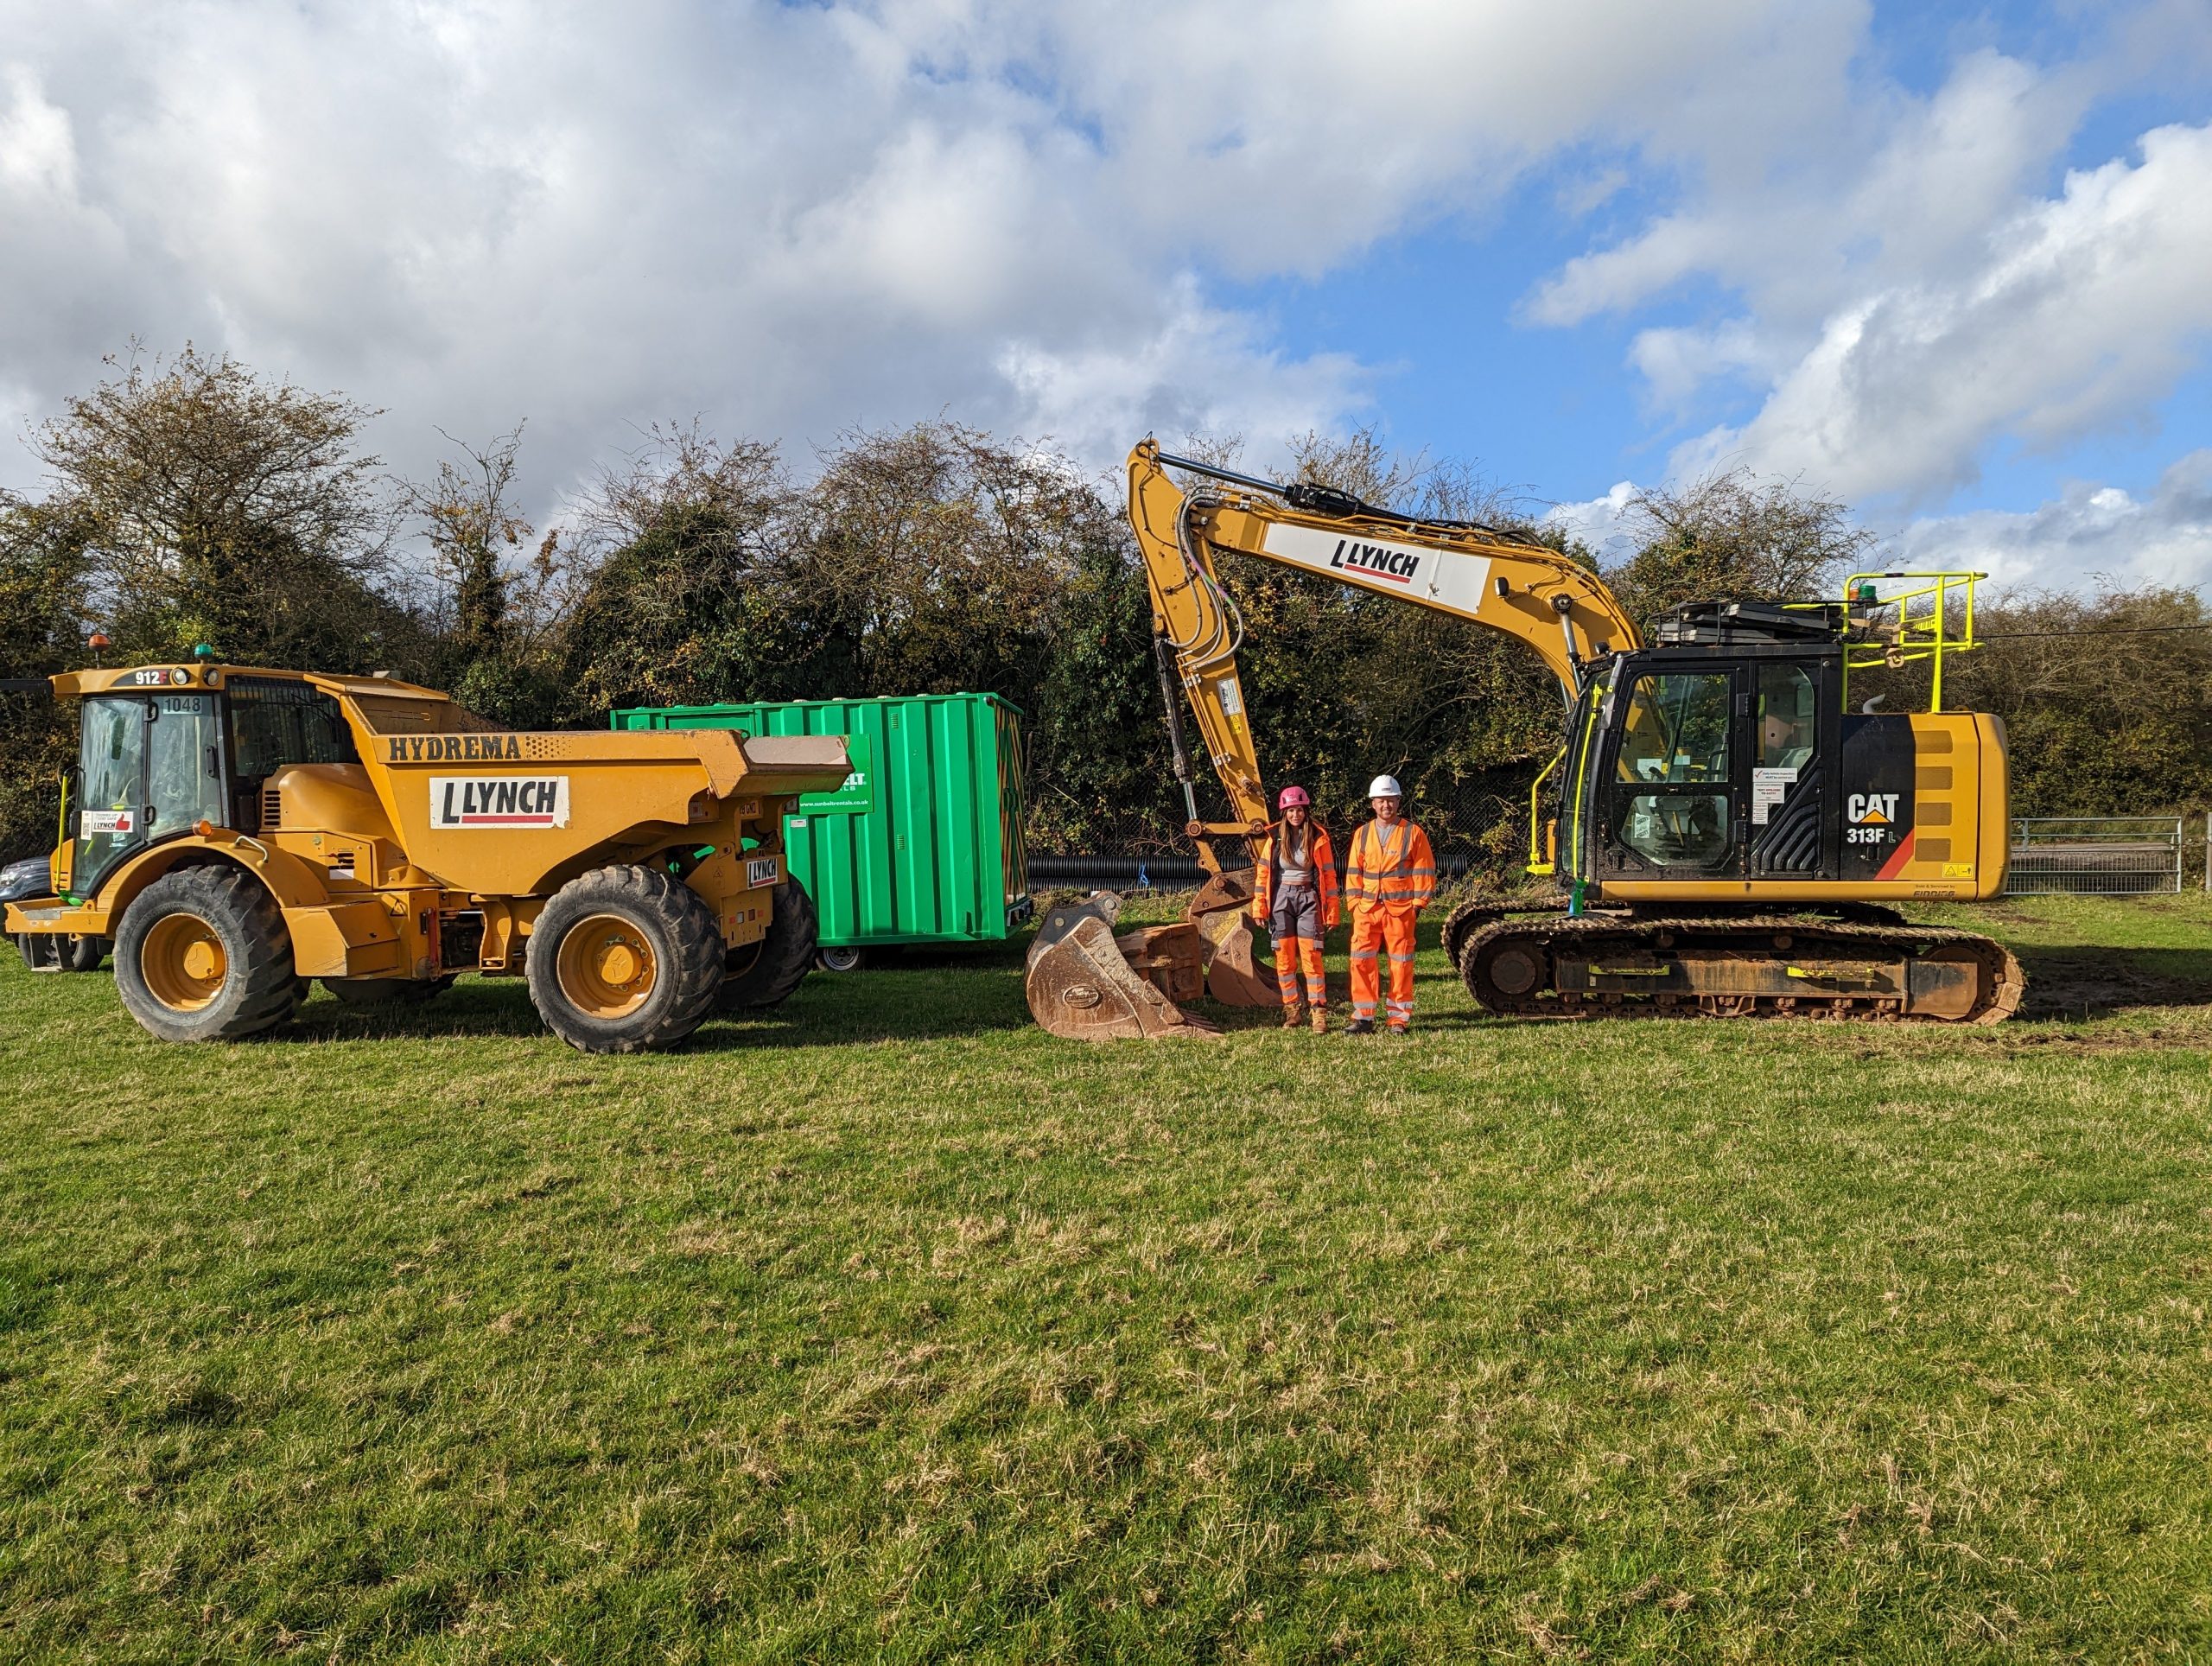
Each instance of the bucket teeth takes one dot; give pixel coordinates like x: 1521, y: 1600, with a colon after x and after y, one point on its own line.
x: 1083, y: 982
x: 1233, y: 976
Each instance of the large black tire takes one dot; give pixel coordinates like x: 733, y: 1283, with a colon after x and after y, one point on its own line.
x: 763, y: 974
x: 625, y: 959
x: 60, y: 954
x: 202, y: 955
x: 364, y: 993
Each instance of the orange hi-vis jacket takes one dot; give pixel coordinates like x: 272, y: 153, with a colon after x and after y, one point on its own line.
x: 1323, y: 855
x: 1391, y: 868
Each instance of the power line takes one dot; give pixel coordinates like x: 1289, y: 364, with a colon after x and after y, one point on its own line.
x: 2125, y: 630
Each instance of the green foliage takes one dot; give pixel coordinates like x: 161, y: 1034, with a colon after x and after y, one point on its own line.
x: 1101, y: 773
x: 42, y: 584
x: 2108, y: 699
x: 194, y: 501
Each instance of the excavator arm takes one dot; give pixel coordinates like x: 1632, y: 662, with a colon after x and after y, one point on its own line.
x: 1494, y: 578
x: 1083, y: 978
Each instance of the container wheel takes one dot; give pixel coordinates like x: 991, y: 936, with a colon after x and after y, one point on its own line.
x: 844, y: 958
x: 763, y: 974
x: 203, y: 956
x: 624, y: 959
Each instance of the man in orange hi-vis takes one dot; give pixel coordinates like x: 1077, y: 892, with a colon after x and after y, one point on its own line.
x: 1389, y: 881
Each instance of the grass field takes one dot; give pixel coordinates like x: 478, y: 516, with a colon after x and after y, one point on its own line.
x: 888, y: 1327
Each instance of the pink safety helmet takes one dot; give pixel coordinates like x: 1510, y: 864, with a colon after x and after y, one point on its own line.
x: 1292, y: 796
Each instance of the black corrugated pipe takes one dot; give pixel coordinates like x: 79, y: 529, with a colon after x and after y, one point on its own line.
x: 1164, y: 872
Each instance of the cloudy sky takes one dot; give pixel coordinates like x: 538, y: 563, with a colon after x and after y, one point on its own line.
x: 1952, y: 263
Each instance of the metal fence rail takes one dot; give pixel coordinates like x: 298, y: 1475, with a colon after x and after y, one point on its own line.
x: 2095, y: 855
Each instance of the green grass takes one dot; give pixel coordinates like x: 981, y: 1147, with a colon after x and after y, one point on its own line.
x: 888, y: 1327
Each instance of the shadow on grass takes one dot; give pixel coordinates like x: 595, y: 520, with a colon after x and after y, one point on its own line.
x: 2083, y: 980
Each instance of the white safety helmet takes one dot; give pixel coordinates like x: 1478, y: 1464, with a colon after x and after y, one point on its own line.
x: 1385, y: 786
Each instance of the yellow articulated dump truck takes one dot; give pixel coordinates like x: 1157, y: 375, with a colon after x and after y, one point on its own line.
x: 238, y: 832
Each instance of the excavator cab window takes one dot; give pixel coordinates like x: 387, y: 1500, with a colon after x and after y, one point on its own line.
x: 1671, y: 800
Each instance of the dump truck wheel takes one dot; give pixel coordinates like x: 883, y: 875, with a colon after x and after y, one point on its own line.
x: 366, y: 992
x: 203, y: 956
x: 763, y: 974
x: 61, y: 954
x: 624, y: 959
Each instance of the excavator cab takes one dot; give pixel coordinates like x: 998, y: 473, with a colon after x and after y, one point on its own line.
x: 1720, y: 763
x: 1705, y: 761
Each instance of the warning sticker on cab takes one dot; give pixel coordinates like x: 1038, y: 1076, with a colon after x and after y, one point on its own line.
x: 106, y: 821
x: 510, y: 801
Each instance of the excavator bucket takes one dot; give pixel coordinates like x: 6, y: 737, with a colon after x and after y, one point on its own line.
x: 1085, y: 982
x: 1233, y: 976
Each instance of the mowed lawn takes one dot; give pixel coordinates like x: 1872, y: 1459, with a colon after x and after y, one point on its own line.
x: 888, y: 1327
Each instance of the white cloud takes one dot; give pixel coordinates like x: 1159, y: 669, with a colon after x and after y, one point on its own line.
x: 2088, y: 534
x: 1605, y: 524
x: 791, y: 220
x: 1908, y: 290
x: 2085, y: 309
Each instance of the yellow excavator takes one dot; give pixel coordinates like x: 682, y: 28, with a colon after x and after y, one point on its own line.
x: 1729, y: 835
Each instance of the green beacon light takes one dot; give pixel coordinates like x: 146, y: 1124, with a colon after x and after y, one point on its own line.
x: 1866, y: 596
x: 203, y: 651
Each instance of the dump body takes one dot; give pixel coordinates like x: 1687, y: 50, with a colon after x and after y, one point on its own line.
x: 923, y: 842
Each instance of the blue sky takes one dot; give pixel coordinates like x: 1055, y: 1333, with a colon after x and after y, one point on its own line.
x: 1945, y: 263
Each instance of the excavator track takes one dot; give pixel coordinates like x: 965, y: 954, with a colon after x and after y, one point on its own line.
x: 1869, y: 970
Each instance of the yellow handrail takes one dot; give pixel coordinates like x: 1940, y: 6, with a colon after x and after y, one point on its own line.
x: 1537, y: 865
x: 1924, y: 634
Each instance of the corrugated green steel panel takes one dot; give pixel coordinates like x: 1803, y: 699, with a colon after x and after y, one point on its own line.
x: 924, y: 843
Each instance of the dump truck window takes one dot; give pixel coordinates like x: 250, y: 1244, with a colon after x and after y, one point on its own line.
x: 275, y: 722
x: 184, y: 772
x: 110, y: 776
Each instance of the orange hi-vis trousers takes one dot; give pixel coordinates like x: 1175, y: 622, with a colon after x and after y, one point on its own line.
x: 1290, y: 952
x: 1377, y: 927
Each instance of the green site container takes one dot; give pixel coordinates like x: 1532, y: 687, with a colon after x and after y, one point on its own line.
x: 923, y: 842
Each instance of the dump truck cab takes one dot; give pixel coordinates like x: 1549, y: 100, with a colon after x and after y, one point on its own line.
x: 387, y: 840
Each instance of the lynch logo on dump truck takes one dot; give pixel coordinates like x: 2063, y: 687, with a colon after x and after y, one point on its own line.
x: 451, y: 748
x: 499, y: 801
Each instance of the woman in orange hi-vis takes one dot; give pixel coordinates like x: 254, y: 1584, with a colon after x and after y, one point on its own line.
x: 1389, y: 882
x: 1294, y: 896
